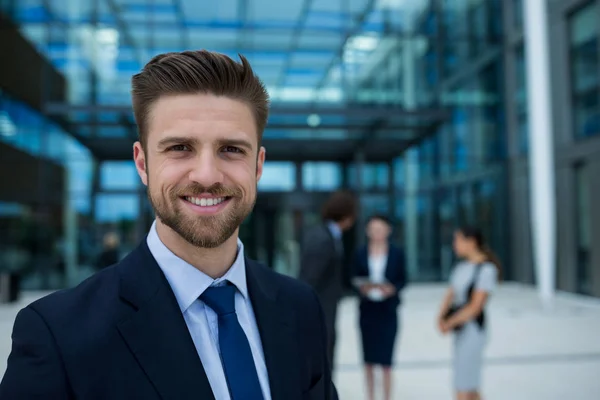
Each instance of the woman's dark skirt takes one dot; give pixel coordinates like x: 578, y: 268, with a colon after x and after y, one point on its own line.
x: 378, y: 327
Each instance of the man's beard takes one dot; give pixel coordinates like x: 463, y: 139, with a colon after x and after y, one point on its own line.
x: 206, y: 231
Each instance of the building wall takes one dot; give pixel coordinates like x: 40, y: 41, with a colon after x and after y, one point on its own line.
x: 572, y: 155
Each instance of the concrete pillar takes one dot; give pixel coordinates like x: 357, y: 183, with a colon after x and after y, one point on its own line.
x: 411, y: 165
x: 541, y: 150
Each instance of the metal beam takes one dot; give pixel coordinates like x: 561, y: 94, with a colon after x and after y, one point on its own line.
x: 278, y: 149
x: 367, y: 130
x: 357, y: 111
x: 300, y: 22
x: 353, y: 31
x: 127, y: 38
x: 185, y: 32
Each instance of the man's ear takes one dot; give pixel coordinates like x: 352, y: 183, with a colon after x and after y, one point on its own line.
x: 260, y: 162
x: 139, y: 157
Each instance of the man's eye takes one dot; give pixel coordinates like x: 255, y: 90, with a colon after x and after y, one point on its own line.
x: 232, y: 149
x: 180, y: 147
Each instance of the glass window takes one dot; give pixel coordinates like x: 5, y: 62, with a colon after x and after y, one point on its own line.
x: 583, y: 236
x: 119, y: 175
x: 428, y: 158
x: 116, y: 207
x: 398, y: 165
x: 445, y: 232
x: 278, y: 176
x: 518, y: 13
x: 428, y: 261
x: 375, y: 204
x: 521, y: 101
x: 585, y: 70
x: 460, y: 122
x: 321, y: 175
x: 373, y: 176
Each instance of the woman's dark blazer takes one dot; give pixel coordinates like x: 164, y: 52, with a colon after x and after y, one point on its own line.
x: 395, y: 271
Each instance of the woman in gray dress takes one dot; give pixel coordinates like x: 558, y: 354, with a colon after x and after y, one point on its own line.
x: 463, y: 309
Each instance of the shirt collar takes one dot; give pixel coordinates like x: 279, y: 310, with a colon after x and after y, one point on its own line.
x: 187, y: 282
x: 334, y: 229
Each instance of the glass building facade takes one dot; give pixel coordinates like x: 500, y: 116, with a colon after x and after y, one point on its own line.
x: 465, y: 57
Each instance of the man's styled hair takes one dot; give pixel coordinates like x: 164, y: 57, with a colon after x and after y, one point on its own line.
x: 197, y: 72
x: 339, y: 206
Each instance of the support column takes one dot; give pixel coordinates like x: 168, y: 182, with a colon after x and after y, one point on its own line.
x: 391, y: 190
x: 411, y: 167
x: 541, y: 161
x: 359, y: 161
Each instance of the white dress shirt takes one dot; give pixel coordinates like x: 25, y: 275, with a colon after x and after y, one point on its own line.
x: 188, y: 283
x: 377, y: 266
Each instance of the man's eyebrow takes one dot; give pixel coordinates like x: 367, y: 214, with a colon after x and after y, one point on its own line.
x: 236, y: 142
x: 174, y: 140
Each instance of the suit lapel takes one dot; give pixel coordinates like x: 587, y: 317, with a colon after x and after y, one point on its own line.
x: 277, y: 332
x: 156, y: 332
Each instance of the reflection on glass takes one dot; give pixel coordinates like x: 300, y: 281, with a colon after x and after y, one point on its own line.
x: 521, y: 101
x: 428, y: 261
x: 460, y: 121
x: 447, y: 226
x: 278, y: 176
x: 518, y: 13
x: 373, y: 176
x: 118, y: 175
x: 585, y: 67
x: 321, y: 176
x: 583, y: 218
x: 116, y: 207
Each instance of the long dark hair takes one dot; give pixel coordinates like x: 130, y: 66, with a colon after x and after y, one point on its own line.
x: 475, y: 234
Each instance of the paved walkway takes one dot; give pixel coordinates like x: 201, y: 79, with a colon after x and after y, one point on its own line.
x: 533, y: 354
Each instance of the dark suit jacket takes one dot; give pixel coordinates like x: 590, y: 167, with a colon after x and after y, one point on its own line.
x: 395, y: 271
x: 321, y: 266
x: 121, y: 335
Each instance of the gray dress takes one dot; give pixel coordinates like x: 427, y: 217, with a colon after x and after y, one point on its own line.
x: 470, y: 342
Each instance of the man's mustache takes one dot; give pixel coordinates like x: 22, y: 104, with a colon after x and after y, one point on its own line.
x: 217, y: 189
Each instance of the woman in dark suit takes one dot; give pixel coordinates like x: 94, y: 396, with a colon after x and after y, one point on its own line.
x: 382, y: 264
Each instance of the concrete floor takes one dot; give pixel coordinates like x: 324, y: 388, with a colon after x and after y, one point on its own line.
x: 533, y: 353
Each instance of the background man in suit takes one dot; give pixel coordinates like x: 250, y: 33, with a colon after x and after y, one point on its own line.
x: 185, y: 315
x: 322, y: 259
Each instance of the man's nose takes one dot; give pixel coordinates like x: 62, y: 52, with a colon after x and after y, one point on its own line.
x: 207, y: 169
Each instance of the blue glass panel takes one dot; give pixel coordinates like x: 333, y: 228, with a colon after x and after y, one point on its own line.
x: 120, y: 175
x: 278, y: 176
x: 116, y: 207
x: 321, y: 175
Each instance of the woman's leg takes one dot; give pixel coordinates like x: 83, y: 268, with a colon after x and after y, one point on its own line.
x: 370, y: 376
x: 387, y: 382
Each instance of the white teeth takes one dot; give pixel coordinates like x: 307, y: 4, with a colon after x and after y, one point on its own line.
x: 203, y: 202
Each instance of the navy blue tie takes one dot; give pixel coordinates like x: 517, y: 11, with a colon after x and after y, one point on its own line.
x: 236, y: 356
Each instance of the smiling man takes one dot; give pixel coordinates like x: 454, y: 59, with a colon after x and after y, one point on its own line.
x: 185, y: 315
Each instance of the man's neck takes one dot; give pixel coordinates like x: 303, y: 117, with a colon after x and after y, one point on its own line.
x: 213, y: 262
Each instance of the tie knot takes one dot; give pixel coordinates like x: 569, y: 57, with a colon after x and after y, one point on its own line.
x: 220, y: 298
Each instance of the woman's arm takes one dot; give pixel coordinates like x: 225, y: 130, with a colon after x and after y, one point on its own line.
x: 446, y: 303
x: 474, y: 308
x: 485, y: 284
